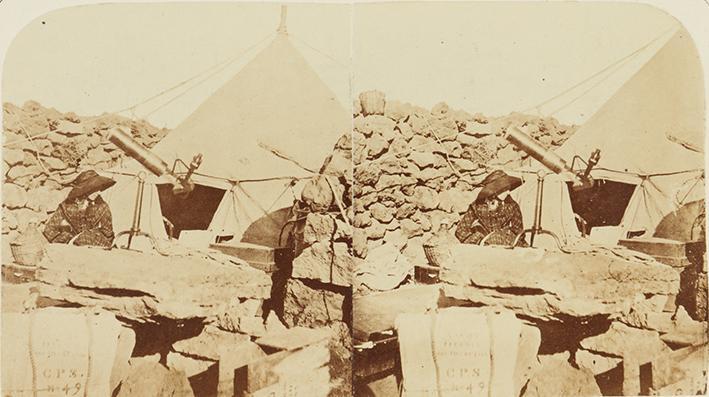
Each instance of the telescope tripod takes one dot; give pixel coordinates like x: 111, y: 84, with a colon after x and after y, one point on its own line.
x: 537, y: 225
x: 137, y: 213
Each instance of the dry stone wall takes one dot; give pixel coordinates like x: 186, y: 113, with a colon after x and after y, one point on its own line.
x: 414, y: 168
x: 44, y: 149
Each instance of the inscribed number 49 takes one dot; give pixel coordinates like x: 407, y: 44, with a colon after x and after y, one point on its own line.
x: 71, y: 390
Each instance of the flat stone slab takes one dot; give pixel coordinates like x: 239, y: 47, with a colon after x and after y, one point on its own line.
x: 140, y: 285
x: 544, y: 284
x: 377, y: 312
x: 628, y: 343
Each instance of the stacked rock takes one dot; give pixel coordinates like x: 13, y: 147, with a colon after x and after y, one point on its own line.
x: 318, y: 292
x: 44, y: 149
x: 414, y: 168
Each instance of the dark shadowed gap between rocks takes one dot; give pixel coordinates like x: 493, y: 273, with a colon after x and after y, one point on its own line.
x: 116, y: 292
x: 158, y: 337
x: 566, y: 333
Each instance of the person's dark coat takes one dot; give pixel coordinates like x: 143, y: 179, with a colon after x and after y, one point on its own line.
x: 497, y: 227
x: 91, y: 225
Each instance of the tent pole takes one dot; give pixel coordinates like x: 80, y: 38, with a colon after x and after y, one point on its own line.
x: 282, y: 28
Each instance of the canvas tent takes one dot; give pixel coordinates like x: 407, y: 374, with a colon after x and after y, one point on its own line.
x: 269, y: 127
x: 650, y: 133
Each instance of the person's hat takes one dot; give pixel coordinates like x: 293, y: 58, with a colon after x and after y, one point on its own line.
x: 89, y: 182
x: 497, y: 182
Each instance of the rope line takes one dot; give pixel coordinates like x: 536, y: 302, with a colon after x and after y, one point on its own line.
x: 285, y: 190
x: 592, y: 87
x: 689, y: 191
x: 600, y: 72
x: 660, y: 174
x: 319, y: 52
x: 220, y: 66
x: 209, y: 76
x: 201, y: 73
x: 228, y: 209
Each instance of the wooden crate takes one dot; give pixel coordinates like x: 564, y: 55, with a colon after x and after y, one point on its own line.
x: 297, y: 366
x: 677, y: 373
x: 261, y: 257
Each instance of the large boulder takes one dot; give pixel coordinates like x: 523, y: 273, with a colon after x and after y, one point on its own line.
x: 57, y: 138
x: 455, y: 200
x: 54, y: 164
x: 206, y: 344
x: 13, y: 196
x: 381, y: 212
x: 379, y: 125
x: 628, y: 343
x: 44, y: 199
x: 367, y: 173
x: 13, y: 156
x: 318, y: 227
x: 555, y: 376
x: 326, y: 262
x: 19, y: 172
x: 383, y: 269
x: 310, y: 307
x: 153, y: 379
x: 9, y: 222
x: 422, y: 159
x: 68, y: 128
x: 396, y: 110
x: 425, y: 198
x: 377, y: 145
x: 318, y: 194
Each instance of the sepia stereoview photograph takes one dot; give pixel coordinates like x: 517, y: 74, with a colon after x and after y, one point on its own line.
x: 371, y: 199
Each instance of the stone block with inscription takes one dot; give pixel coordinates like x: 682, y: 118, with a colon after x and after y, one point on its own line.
x: 61, y: 351
x: 465, y: 352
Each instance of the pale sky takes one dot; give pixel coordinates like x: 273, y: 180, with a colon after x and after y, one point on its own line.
x: 491, y: 57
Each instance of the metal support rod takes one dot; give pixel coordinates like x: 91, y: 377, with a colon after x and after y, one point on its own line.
x: 137, y: 211
x: 137, y: 215
x: 537, y: 225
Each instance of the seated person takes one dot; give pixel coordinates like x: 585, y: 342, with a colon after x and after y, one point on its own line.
x: 83, y: 218
x: 494, y: 218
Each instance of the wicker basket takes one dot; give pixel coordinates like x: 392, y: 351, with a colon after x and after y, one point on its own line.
x: 435, y: 254
x: 372, y: 102
x: 29, y: 248
x: 27, y: 254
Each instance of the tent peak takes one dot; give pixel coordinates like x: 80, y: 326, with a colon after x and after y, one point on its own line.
x: 282, y: 28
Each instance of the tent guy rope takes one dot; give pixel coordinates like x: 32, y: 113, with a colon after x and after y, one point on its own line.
x: 608, y: 68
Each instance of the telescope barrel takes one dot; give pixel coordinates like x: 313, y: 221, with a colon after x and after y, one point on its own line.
x: 530, y: 146
x: 136, y: 151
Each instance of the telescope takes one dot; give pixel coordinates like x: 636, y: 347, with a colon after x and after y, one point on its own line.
x: 553, y: 162
x: 181, y: 184
x: 550, y: 159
